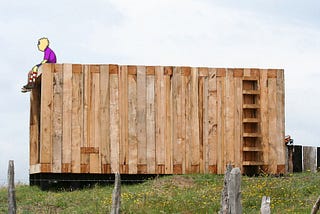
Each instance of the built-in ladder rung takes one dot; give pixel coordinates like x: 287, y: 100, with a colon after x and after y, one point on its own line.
x: 252, y: 149
x: 251, y: 78
x: 250, y: 92
x: 251, y: 106
x: 252, y: 163
x: 251, y: 135
x: 251, y: 120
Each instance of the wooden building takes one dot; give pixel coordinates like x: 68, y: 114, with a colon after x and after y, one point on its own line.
x: 156, y: 120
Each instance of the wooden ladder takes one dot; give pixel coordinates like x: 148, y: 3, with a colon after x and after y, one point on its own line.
x: 252, y: 148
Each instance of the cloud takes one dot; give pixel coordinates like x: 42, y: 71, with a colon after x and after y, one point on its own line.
x: 163, y: 32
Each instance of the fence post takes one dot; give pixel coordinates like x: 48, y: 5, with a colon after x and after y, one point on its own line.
x: 265, y: 205
x: 12, y: 206
x: 224, y: 194
x: 116, y: 195
x: 290, y: 158
x: 316, y: 206
x: 234, y: 191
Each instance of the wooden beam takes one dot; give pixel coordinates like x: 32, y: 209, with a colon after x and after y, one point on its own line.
x: 67, y: 115
x: 46, y: 114
x: 57, y: 119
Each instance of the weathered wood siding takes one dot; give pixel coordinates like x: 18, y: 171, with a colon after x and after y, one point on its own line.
x: 156, y: 119
x: 303, y: 158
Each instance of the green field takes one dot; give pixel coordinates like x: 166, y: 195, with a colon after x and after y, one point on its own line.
x: 174, y: 194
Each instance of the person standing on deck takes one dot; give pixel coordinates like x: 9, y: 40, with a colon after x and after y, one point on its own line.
x: 49, y: 57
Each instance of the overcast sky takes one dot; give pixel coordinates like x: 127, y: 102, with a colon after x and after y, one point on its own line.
x: 214, y: 33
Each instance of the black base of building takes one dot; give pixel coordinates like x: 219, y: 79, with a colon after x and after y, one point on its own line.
x: 72, y: 181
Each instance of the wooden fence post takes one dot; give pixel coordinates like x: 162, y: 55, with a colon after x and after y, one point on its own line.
x: 12, y: 206
x: 116, y: 195
x: 234, y: 191
x: 224, y: 194
x: 231, y: 193
x: 316, y: 206
x: 265, y: 205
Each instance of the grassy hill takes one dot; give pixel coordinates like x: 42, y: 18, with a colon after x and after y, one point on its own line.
x: 174, y: 194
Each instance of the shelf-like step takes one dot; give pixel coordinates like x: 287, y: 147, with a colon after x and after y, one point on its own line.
x: 251, y: 106
x: 250, y: 92
x: 251, y: 135
x: 252, y: 163
x: 251, y: 78
x: 250, y: 120
x: 252, y: 149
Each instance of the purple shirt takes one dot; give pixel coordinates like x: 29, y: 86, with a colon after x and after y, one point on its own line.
x: 49, y: 55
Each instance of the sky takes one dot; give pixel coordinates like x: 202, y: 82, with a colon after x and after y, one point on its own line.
x: 209, y: 33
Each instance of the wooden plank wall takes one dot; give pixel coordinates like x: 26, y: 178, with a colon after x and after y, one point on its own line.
x: 149, y: 119
x: 304, y: 158
x: 309, y: 158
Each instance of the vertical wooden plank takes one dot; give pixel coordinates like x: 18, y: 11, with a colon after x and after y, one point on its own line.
x: 309, y: 158
x: 205, y: 133
x: 123, y: 113
x: 150, y: 123
x: 200, y: 115
x: 104, y: 119
x: 141, y: 95
x: 247, y: 72
x: 46, y: 113
x: 188, y: 116
x: 168, y: 120
x: 66, y: 117
x: 273, y: 129
x: 264, y: 115
x: 132, y: 107
x: 212, y: 120
x: 160, y: 120
x: 57, y: 119
x: 77, y: 117
x: 221, y: 122
x: 35, y: 98
x: 281, y: 148
x: 114, y: 122
x: 230, y: 118
x: 195, y: 164
x: 95, y: 105
x: 182, y: 117
x: 238, y: 122
x: 157, y: 117
x: 175, y: 108
x: 177, y: 121
x: 95, y: 164
x: 86, y: 107
x: 85, y: 141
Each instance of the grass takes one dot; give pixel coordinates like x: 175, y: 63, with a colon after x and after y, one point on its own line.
x: 174, y: 194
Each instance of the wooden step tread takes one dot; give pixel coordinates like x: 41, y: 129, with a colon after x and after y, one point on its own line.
x: 252, y: 106
x: 251, y: 120
x: 250, y: 92
x: 252, y: 149
x: 251, y: 135
x: 252, y: 163
x: 250, y: 78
